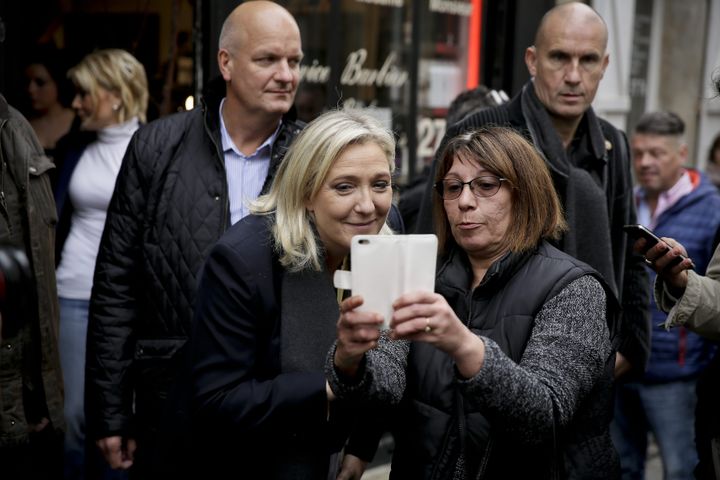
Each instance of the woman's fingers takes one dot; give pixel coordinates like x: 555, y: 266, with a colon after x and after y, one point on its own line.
x: 358, y: 331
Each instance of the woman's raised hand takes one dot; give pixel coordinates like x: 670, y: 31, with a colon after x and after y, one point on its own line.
x: 427, y: 317
x: 357, y: 333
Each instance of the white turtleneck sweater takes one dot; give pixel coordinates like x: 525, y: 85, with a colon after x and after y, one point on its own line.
x: 91, y: 187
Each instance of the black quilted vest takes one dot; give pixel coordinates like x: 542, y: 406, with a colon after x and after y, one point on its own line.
x: 432, y: 433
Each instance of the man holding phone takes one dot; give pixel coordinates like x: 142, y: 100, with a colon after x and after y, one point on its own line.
x: 679, y: 202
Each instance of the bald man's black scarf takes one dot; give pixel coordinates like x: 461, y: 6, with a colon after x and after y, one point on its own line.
x: 579, y: 174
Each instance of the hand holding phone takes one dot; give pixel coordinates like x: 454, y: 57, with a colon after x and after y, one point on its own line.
x: 386, y: 266
x: 640, y: 231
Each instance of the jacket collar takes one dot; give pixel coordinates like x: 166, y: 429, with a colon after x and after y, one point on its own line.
x: 212, y: 96
x: 456, y: 272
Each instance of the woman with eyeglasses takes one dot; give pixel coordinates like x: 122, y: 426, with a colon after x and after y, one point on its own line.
x: 505, y: 371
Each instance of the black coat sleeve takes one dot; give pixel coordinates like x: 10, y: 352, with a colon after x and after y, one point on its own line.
x: 633, y: 337
x: 113, y: 304
x: 237, y: 386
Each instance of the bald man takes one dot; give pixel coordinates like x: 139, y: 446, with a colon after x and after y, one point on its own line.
x: 588, y: 159
x: 184, y: 180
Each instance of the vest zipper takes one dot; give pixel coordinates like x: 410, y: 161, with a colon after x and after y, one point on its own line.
x: 461, y: 424
x: 461, y: 429
x: 441, y: 452
x: 489, y: 445
x: 485, y: 460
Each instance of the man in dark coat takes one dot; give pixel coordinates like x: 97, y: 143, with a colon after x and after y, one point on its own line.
x: 588, y: 159
x: 184, y: 180
x: 31, y: 397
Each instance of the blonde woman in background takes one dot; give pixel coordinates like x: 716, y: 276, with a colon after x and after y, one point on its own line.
x: 111, y: 100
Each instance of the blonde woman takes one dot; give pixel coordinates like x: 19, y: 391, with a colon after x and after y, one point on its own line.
x: 266, y: 308
x: 111, y: 100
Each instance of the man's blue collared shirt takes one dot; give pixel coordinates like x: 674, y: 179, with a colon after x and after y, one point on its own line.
x: 245, y: 174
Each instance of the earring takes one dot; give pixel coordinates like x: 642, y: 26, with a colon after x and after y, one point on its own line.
x: 116, y: 107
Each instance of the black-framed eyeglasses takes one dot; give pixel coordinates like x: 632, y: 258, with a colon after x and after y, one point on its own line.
x: 485, y: 186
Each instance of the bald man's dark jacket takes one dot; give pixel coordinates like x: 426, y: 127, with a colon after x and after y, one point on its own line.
x: 169, y: 207
x: 593, y: 180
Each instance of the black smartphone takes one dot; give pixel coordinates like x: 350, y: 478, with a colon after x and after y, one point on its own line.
x: 641, y: 231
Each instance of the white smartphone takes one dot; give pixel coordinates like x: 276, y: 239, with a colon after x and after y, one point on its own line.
x: 384, y: 267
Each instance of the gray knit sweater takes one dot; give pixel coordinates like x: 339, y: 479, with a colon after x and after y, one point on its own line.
x: 564, y: 358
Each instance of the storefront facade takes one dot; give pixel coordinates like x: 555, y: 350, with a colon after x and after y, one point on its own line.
x: 402, y: 60
x: 405, y: 60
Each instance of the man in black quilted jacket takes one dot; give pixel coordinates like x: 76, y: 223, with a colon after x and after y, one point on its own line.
x: 588, y: 159
x: 184, y: 180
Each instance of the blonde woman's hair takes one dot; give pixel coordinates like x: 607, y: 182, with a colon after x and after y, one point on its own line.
x: 302, y: 174
x: 116, y: 71
x: 536, y: 211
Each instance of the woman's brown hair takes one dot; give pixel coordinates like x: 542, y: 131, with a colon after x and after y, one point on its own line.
x: 536, y: 210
